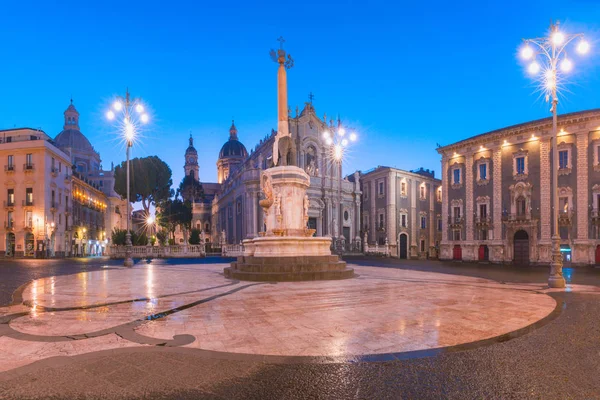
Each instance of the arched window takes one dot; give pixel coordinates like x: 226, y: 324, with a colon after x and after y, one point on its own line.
x: 192, y: 173
x: 206, y: 227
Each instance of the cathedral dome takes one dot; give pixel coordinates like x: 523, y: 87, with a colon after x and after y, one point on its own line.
x: 72, y: 138
x: 233, y: 147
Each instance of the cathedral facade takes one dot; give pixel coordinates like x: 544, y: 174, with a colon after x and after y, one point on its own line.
x: 229, y: 210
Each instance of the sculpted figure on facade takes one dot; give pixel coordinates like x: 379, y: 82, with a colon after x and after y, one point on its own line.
x: 306, y: 206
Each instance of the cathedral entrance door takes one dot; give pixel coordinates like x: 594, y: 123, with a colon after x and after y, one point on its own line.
x: 403, y: 246
x: 521, y: 248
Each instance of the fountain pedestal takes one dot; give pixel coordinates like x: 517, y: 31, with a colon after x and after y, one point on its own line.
x: 287, y: 250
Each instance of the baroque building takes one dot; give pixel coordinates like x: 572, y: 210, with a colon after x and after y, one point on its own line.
x: 403, y: 209
x: 497, y: 193
x: 229, y: 211
x: 60, y: 203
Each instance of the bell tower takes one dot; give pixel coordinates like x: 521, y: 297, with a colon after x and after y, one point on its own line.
x: 71, y: 117
x: 191, y: 167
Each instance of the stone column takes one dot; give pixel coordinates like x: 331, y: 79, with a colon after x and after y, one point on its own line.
x: 358, y: 216
x: 391, y: 208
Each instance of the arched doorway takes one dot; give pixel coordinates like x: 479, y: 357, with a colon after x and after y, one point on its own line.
x: 10, y: 244
x: 403, y: 246
x: 29, y: 245
x: 457, y: 252
x: 521, y: 248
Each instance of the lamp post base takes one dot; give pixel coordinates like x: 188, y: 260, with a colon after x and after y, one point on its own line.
x: 556, y: 279
x: 128, y: 262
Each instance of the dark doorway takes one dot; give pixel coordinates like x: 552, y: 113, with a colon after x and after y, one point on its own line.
x: 598, y: 255
x: 484, y: 253
x: 312, y: 223
x: 521, y: 248
x: 457, y: 252
x: 403, y: 246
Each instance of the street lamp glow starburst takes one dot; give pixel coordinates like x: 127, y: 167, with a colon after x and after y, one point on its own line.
x: 129, y: 115
x: 337, y: 142
x: 549, y: 63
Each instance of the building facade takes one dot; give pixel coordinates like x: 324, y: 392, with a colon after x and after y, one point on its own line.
x: 58, y: 201
x: 229, y: 211
x: 497, y: 193
x: 403, y: 209
x: 36, y: 177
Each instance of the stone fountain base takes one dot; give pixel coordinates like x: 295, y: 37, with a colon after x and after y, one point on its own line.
x: 289, y: 258
x: 286, y: 251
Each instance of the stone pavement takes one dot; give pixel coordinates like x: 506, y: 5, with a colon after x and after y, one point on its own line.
x: 374, y: 338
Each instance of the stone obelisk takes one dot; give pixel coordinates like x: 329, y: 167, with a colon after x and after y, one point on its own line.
x: 286, y: 250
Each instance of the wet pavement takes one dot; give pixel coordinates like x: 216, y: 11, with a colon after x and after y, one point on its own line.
x: 557, y: 360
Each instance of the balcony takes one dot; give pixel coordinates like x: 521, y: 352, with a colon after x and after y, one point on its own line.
x: 519, y: 220
x: 27, y: 203
x: 53, y: 206
x: 9, y: 225
x: 8, y: 204
x: 596, y: 216
x: 455, y: 222
x: 9, y: 169
x: 28, y: 224
x: 565, y: 218
x: 67, y: 178
x: 54, y: 172
x: 483, y: 221
x: 28, y: 167
x: 68, y: 210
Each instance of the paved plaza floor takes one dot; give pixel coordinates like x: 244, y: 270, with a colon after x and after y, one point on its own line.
x: 185, y: 331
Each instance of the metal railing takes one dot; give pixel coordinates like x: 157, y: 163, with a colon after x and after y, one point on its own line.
x: 9, y: 168
x: 9, y: 203
x: 26, y: 203
x: 10, y: 224
x: 28, y: 166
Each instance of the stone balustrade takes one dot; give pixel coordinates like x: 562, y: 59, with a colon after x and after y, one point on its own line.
x: 175, y: 251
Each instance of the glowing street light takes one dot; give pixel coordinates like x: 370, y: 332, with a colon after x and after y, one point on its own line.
x: 551, y: 58
x: 337, y: 141
x: 131, y: 112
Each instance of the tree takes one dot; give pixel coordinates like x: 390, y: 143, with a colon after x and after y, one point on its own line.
x: 150, y: 181
x: 190, y: 189
x: 173, y: 213
x: 195, y: 236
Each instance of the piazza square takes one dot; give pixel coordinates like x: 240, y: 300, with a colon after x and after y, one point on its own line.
x: 400, y: 217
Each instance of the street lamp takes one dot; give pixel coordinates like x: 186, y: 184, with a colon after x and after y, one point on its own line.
x: 548, y: 61
x: 337, y: 140
x: 130, y: 115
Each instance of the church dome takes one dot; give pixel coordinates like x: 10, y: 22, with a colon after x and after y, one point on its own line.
x: 233, y: 147
x: 72, y: 138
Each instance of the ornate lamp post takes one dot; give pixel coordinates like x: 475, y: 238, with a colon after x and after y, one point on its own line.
x: 130, y: 114
x: 549, y: 61
x: 337, y: 142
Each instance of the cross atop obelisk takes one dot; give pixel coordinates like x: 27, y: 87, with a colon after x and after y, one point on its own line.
x: 279, y: 57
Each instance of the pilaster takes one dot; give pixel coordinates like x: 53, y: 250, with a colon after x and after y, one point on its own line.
x: 497, y: 190
x: 582, y: 186
x: 444, y: 200
x: 545, y: 191
x: 391, y: 208
x: 469, y: 196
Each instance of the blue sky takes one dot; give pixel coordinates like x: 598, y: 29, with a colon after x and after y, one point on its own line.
x: 405, y: 75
